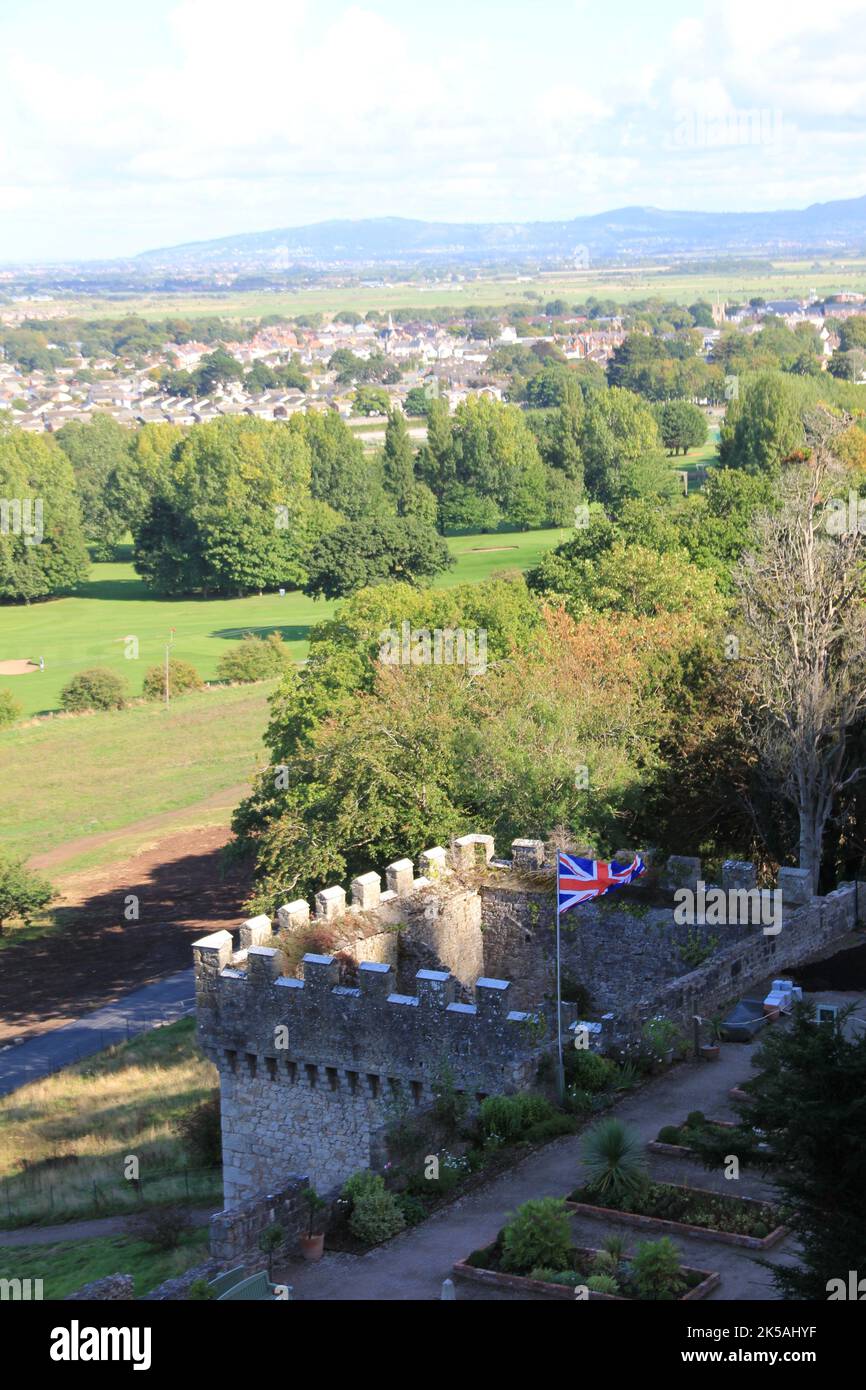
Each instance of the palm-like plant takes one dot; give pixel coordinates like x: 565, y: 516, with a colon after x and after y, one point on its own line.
x: 613, y: 1159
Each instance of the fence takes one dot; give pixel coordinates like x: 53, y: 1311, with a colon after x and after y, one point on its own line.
x: 41, y: 1198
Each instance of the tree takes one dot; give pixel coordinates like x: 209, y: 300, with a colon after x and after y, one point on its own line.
x: 496, y: 456
x: 42, y: 547
x: 371, y: 400
x: 683, y: 426
x: 807, y: 1102
x: 254, y: 659
x: 357, y: 554
x: 182, y: 677
x: 801, y: 599
x: 417, y: 401
x: 232, y: 513
x: 97, y: 688
x: 96, y: 450
x: 21, y: 892
x: 398, y: 462
x: 763, y: 426
x: 339, y: 472
x: 619, y: 439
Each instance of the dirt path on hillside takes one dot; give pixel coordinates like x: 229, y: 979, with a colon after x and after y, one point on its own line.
x: 181, y: 889
x: 227, y: 796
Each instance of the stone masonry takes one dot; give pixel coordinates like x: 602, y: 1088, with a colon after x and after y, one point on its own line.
x: 312, y: 1068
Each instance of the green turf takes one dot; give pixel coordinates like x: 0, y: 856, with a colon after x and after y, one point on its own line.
x: 70, y: 1264
x: 91, y: 627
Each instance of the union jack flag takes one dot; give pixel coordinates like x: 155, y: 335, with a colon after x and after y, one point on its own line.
x: 579, y: 880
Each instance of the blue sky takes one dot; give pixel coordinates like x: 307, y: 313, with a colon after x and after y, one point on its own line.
x: 128, y: 126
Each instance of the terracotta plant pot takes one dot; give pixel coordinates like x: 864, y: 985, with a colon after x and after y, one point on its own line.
x: 710, y: 1052
x: 312, y: 1246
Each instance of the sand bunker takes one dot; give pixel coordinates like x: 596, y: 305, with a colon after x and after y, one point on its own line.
x: 18, y: 668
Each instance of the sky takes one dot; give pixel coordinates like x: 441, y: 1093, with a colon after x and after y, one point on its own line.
x: 130, y: 126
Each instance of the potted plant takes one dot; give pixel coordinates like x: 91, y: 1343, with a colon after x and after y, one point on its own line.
x: 312, y: 1244
x: 661, y: 1034
x: 710, y: 1050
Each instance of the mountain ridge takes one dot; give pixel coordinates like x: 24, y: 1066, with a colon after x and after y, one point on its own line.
x: 628, y: 232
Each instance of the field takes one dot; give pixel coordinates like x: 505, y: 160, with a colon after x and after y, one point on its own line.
x: 126, y: 1100
x: 91, y: 628
x: 785, y: 279
x: 137, y: 763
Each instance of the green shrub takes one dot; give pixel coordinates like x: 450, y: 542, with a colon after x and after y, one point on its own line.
x: 537, y: 1234
x: 182, y: 677
x: 589, y: 1072
x: 449, y: 1104
x: 254, y: 659
x: 375, y: 1217
x: 414, y: 1210
x: 655, y: 1269
x: 362, y: 1184
x: 602, y: 1283
x: 614, y: 1160
x: 10, y: 710
x: 510, y: 1117
x: 200, y: 1291
x: 200, y: 1131
x: 21, y: 892
x: 669, y: 1134
x: 94, y: 689
x: 554, y: 1128
x: 696, y: 1119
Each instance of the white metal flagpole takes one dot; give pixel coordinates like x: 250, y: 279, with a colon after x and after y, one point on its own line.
x: 560, y: 1070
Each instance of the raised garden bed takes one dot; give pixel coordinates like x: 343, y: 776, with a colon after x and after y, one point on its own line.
x: 659, y: 1146
x: 737, y: 1093
x: 699, y: 1282
x: 694, y: 1201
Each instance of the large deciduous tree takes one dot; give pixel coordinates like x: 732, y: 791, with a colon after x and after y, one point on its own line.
x: 801, y: 597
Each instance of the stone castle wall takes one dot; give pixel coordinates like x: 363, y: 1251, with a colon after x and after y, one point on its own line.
x: 312, y: 1069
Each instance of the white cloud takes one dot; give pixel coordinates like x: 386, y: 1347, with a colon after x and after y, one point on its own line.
x: 284, y: 112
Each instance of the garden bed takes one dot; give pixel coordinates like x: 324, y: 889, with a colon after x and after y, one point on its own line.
x: 684, y: 1150
x: 700, y: 1282
x: 767, y: 1229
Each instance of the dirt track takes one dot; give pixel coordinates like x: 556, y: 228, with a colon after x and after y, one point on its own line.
x: 182, y: 893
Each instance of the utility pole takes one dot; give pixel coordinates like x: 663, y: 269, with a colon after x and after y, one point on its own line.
x: 167, y: 651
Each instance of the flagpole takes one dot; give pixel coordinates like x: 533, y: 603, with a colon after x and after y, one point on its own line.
x: 560, y: 1068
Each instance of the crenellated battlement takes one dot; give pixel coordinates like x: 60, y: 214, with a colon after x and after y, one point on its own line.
x: 315, y: 1021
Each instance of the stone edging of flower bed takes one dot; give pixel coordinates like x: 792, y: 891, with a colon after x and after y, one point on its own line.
x: 521, y: 1283
x: 683, y: 1228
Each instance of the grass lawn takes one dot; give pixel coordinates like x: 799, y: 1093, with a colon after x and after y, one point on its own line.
x: 90, y: 628
x: 71, y: 1264
x: 85, y: 774
x: 64, y: 1140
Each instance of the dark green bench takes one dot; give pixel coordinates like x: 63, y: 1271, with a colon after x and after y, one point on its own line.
x: 257, y: 1288
x: 223, y: 1282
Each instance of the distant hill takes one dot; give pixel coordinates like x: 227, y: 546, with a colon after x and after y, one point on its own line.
x: 625, y: 233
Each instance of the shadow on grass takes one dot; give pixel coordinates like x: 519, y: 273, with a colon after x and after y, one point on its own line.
x: 298, y: 633
x: 96, y: 955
